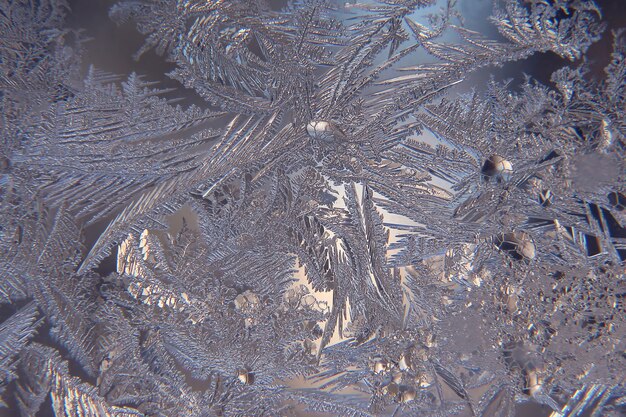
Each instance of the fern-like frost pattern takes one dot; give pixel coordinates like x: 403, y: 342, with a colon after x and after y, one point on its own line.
x: 349, y: 223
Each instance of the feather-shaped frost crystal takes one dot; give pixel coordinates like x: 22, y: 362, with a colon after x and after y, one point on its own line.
x: 359, y: 215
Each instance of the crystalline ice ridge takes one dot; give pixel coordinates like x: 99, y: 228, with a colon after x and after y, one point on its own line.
x: 350, y: 224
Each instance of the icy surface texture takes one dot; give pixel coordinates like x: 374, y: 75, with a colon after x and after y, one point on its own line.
x: 366, y: 229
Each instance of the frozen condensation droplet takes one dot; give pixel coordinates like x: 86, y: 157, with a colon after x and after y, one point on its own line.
x: 326, y: 131
x: 245, y: 376
x: 497, y: 167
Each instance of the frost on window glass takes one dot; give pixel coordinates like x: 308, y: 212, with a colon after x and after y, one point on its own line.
x: 320, y: 208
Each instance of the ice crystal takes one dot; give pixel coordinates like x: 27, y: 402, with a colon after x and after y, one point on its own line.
x: 353, y: 221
